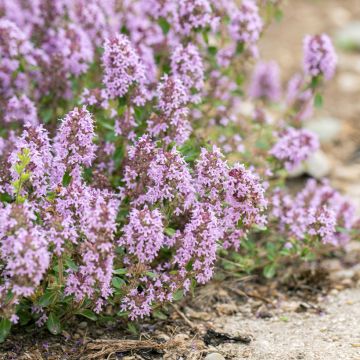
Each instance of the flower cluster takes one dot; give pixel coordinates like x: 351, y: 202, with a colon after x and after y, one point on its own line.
x: 144, y: 234
x: 93, y: 276
x: 238, y: 188
x: 24, y: 249
x: 319, y: 56
x: 126, y: 200
x: 316, y: 212
x: 265, y: 83
x: 187, y: 65
x: 246, y: 25
x: 74, y: 145
x: 294, y: 146
x: 171, y: 124
x: 160, y: 175
x: 122, y: 68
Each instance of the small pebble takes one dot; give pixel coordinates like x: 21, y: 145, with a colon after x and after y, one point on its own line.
x: 181, y: 337
x: 349, y: 36
x: 214, y: 356
x: 82, y: 325
x: 318, y: 165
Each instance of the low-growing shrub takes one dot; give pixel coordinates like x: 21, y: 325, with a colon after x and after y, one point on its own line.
x: 170, y: 150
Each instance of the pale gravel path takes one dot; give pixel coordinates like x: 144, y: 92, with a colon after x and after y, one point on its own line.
x: 305, y: 336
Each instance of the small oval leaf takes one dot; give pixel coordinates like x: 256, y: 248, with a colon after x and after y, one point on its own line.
x: 53, y: 324
x: 5, y: 327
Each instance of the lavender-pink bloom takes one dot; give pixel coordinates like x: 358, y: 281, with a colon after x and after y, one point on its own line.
x: 15, y: 48
x: 36, y: 140
x: 171, y: 124
x: 122, y: 67
x: 21, y: 109
x: 315, y: 212
x: 246, y: 25
x: 98, y: 18
x: 198, y: 243
x: 160, y: 175
x: 265, y: 82
x: 144, y: 234
x: 97, y: 222
x: 193, y: 14
x: 319, y: 56
x: 73, y: 144
x: 24, y: 250
x: 294, y: 146
x: 172, y: 95
x: 187, y: 65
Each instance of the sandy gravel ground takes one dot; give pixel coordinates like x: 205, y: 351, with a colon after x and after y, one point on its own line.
x: 333, y: 335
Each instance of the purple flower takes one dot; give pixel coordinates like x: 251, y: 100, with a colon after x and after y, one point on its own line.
x: 24, y: 251
x: 36, y: 140
x: 171, y: 124
x: 144, y: 234
x: 294, y: 146
x: 246, y: 25
x: 319, y: 56
x: 299, y: 98
x: 172, y: 95
x: 98, y: 18
x: 122, y: 68
x: 245, y: 196
x: 161, y: 176
x: 193, y: 14
x: 21, y: 109
x: 234, y: 194
x: 98, y: 224
x: 15, y: 49
x: 186, y: 64
x: 73, y: 143
x: 198, y: 243
x: 315, y: 213
x: 265, y: 82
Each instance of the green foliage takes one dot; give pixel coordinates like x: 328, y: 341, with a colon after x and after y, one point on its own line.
x: 23, y: 174
x: 53, y: 324
x: 5, y: 327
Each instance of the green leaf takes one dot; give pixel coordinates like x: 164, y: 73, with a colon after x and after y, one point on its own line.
x: 170, y: 231
x: 178, y: 295
x: 120, y: 271
x: 47, y: 115
x: 205, y: 35
x: 5, y: 327
x: 165, y: 26
x: 5, y: 197
x: 278, y: 15
x: 66, y: 179
x: 49, y: 297
x: 122, y: 313
x: 315, y: 81
x: 24, y: 316
x: 269, y: 271
x: 212, y: 50
x: 159, y: 315
x: 318, y: 100
x: 71, y: 264
x: 87, y: 313
x: 151, y: 274
x: 240, y: 48
x: 133, y: 328
x: 53, y: 324
x: 117, y: 282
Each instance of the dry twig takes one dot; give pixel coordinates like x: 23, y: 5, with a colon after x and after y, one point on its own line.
x: 105, y: 348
